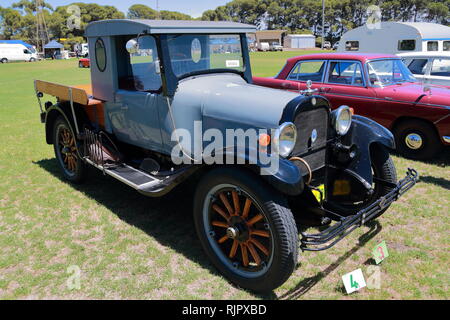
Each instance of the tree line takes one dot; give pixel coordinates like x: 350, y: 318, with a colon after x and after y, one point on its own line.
x: 296, y: 16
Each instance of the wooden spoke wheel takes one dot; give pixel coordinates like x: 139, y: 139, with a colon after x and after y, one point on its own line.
x: 240, y: 229
x: 246, y: 228
x: 66, y: 151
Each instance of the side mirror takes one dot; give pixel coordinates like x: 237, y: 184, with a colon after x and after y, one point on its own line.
x: 132, y: 46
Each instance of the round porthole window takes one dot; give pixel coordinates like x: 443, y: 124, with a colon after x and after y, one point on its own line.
x: 100, y: 55
x: 196, y: 50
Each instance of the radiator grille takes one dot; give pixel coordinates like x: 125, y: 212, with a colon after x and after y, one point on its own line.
x: 314, y: 153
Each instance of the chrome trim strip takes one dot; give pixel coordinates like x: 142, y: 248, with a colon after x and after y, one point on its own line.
x: 446, y: 139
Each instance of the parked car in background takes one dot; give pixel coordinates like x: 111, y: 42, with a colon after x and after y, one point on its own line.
x: 275, y: 46
x: 263, y: 46
x: 84, y: 63
x: 17, y: 52
x: 429, y: 67
x: 153, y: 80
x: 379, y: 87
x: 84, y: 50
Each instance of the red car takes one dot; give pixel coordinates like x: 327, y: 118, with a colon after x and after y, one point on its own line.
x: 84, y: 63
x: 379, y: 87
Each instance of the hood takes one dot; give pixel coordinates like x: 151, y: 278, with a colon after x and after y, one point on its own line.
x: 415, y: 92
x: 229, y: 97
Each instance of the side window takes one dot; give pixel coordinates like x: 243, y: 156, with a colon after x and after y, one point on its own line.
x: 406, y: 45
x: 144, y: 64
x: 308, y: 70
x: 100, y: 54
x: 345, y: 72
x: 418, y: 66
x: 432, y: 46
x: 352, y: 46
x: 446, y: 46
x: 440, y: 67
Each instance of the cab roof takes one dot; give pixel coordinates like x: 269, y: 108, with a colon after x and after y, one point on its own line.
x: 127, y: 26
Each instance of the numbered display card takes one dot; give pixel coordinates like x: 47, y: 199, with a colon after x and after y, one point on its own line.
x: 353, y: 281
x: 380, y: 252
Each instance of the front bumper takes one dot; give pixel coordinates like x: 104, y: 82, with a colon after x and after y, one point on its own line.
x: 345, y: 225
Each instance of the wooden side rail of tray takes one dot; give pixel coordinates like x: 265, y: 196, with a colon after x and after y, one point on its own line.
x: 81, y: 95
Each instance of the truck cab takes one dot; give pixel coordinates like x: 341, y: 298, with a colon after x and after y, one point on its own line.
x: 174, y: 100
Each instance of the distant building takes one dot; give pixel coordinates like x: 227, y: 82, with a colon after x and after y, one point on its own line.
x: 270, y: 36
x: 396, y: 37
x: 300, y: 41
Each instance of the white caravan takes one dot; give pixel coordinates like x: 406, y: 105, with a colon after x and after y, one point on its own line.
x: 16, y: 52
x: 396, y: 37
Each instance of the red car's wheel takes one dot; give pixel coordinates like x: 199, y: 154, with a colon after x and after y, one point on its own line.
x: 416, y: 139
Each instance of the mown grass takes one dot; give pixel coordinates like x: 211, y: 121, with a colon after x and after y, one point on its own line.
x: 128, y: 246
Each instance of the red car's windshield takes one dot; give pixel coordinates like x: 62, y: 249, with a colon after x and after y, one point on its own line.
x: 388, y: 72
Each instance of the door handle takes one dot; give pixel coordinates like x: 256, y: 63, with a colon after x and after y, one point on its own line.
x: 124, y: 107
x: 388, y: 98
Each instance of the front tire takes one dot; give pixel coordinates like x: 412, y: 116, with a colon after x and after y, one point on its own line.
x: 246, y: 229
x: 383, y: 169
x: 4, y: 60
x: 416, y: 139
x: 66, y: 149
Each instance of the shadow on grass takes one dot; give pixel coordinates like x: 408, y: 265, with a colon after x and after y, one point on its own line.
x: 167, y: 219
x: 441, y: 182
x: 308, y: 283
x: 441, y: 160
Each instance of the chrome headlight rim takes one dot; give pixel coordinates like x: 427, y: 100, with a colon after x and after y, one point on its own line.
x: 338, y: 120
x: 284, y: 147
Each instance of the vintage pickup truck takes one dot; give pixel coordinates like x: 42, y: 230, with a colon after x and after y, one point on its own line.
x: 163, y: 91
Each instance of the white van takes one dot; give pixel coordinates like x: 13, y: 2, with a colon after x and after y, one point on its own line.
x: 84, y: 50
x: 263, y: 46
x: 16, y: 52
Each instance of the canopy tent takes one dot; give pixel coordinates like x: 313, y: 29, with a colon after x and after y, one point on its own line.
x: 53, y: 45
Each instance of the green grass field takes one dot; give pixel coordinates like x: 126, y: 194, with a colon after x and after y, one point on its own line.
x: 127, y: 246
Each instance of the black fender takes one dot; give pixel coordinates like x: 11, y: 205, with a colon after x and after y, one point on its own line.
x: 283, y: 175
x: 63, y: 109
x: 363, y: 133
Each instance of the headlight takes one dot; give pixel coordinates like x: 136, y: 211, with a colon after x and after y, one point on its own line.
x: 284, y: 139
x: 342, y: 120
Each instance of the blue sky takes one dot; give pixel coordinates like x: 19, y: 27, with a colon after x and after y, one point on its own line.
x: 192, y: 7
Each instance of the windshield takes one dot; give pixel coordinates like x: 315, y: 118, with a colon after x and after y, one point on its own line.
x: 205, y: 53
x: 387, y: 72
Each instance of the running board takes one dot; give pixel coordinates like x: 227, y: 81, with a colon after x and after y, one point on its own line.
x: 143, y: 182
x: 135, y: 178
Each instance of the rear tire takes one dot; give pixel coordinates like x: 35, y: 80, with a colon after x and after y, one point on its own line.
x: 66, y: 149
x: 275, y: 232
x: 4, y: 60
x: 416, y: 139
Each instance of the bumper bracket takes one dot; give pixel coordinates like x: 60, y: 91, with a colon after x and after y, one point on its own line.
x: 335, y: 233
